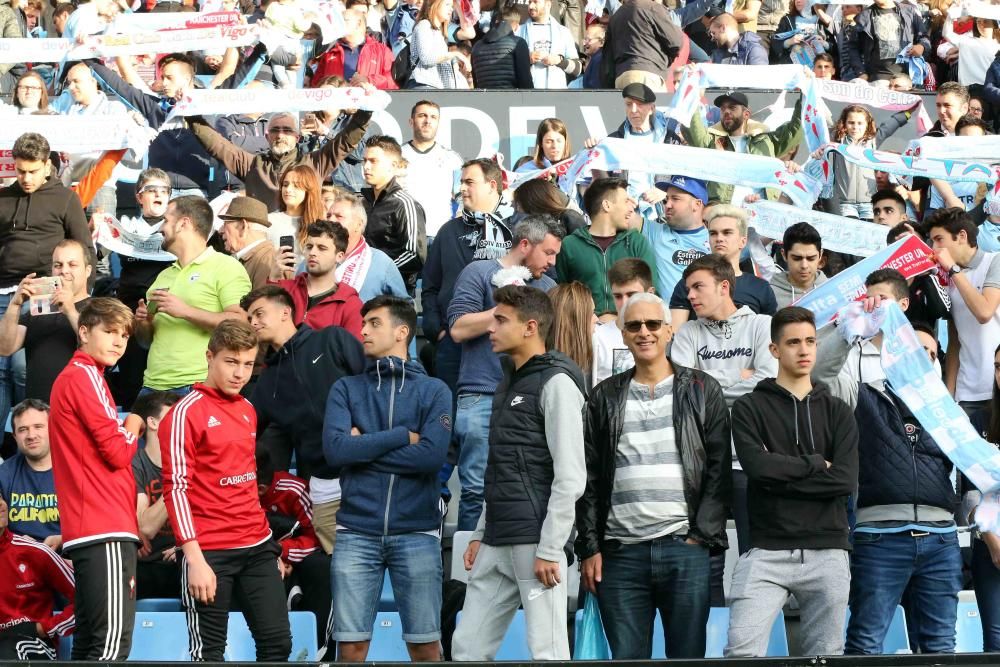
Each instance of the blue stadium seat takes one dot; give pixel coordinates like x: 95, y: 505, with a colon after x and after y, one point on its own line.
x: 387, y: 639
x: 897, y: 639
x: 159, y: 604
x: 64, y: 651
x: 969, y: 629
x: 515, y: 643
x: 387, y: 600
x: 718, y: 631
x: 240, y: 646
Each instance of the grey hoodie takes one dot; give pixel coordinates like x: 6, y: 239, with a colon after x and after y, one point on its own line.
x: 785, y: 293
x: 724, y: 348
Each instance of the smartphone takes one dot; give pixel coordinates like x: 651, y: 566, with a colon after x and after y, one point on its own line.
x: 41, y: 301
x: 287, y: 241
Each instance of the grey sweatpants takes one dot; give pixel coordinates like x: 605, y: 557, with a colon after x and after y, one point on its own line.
x: 501, y: 579
x: 820, y: 580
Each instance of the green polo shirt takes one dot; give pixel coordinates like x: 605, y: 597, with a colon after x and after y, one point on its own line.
x: 212, y: 282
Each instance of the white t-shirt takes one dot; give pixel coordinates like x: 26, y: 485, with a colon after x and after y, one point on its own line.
x: 740, y: 192
x: 975, y: 357
x: 430, y: 178
x: 964, y: 190
x: 611, y: 356
x: 550, y: 37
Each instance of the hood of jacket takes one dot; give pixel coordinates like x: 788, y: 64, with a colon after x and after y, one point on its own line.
x: 385, y: 369
x: 733, y: 326
x: 806, y: 430
x: 498, y: 33
x: 754, y: 127
x: 786, y: 293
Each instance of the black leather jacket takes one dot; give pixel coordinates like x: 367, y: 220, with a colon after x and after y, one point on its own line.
x: 702, y: 432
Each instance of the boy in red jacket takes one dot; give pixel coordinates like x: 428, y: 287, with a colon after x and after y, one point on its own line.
x: 92, y: 464
x: 31, y: 575
x: 207, y: 446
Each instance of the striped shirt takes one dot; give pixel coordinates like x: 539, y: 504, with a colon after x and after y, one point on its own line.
x: 647, y: 498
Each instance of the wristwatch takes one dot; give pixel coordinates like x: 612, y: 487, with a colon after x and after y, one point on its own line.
x: 954, y: 270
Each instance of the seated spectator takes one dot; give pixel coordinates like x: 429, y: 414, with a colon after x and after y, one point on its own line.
x: 642, y: 42
x: 48, y: 339
x: 188, y: 299
x: 368, y: 270
x: 501, y: 59
x: 543, y: 197
x: 808, y: 22
x: 884, y: 29
x: 357, y: 57
x: 554, y: 58
x: 158, y: 572
x: 26, y: 478
x: 244, y: 232
x: 734, y: 47
x: 30, y: 94
x: 727, y: 234
x: 397, y: 445
x: 552, y: 145
x: 681, y: 236
x: 611, y: 356
x: 320, y: 299
x: 34, y: 578
x: 573, y: 326
x: 961, y: 194
x: 593, y: 48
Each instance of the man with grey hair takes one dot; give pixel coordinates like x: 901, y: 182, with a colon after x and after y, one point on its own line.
x: 658, y: 468
x: 261, y: 172
x: 244, y: 231
x: 535, y: 245
x: 368, y: 270
x: 727, y: 236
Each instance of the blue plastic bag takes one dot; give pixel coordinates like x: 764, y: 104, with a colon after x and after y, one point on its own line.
x: 591, y: 642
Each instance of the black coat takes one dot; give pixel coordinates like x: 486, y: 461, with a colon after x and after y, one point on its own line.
x: 501, y: 59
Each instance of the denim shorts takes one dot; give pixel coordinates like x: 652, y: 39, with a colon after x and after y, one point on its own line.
x: 358, y: 566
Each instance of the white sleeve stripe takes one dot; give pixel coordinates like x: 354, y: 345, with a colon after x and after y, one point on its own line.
x: 96, y: 381
x: 60, y: 563
x: 182, y: 508
x: 410, y: 208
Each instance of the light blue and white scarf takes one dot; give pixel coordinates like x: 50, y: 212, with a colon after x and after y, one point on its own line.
x: 840, y: 234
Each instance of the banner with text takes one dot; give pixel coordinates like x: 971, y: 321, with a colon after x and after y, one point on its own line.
x: 840, y: 234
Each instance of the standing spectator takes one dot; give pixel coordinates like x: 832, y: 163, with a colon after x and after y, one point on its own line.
x: 12, y: 24
x: 26, y: 479
x: 962, y: 194
x: 843, y: 30
x: 501, y: 59
x: 823, y: 66
x: 974, y: 288
x: 368, y: 270
x: 587, y: 252
x: 738, y: 133
x: 888, y: 208
x: 300, y: 205
x: 158, y: 572
x: 658, y: 489
x: 208, y: 448
x: 883, y: 30
x: 535, y: 475
x: 433, y: 64
x: 593, y: 48
x: 391, y: 445
x: 573, y: 327
x: 28, y: 598
x: 768, y: 16
x: 539, y: 196
x: 611, y: 356
x: 399, y: 23
x: 187, y: 300
x: 357, y: 56
x: 802, y: 250
x: 431, y: 167
x: 48, y: 340
x: 261, y: 172
x: 682, y: 236
x: 797, y: 498
x: 733, y: 47
x: 536, y: 243
x: 479, y: 233
x: 56, y: 214
x: 243, y: 231
x: 554, y: 58
x: 642, y: 42
x: 92, y: 455
x: 727, y: 233
x: 247, y: 130
x: 320, y: 299
x: 291, y: 392
x: 395, y: 218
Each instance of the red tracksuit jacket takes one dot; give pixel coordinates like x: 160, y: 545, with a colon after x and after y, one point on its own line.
x: 288, y: 495
x: 32, y: 575
x: 207, y: 442
x: 91, y: 458
x: 340, y: 309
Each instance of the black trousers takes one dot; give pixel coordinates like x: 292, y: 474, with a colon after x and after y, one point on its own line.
x: 105, y: 600
x: 21, y: 642
x: 252, y: 576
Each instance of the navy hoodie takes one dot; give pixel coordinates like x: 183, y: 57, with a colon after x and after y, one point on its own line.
x: 388, y: 486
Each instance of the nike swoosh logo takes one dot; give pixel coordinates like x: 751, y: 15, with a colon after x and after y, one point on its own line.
x: 536, y: 593
x: 317, y: 358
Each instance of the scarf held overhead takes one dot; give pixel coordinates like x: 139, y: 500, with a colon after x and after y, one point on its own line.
x: 840, y: 234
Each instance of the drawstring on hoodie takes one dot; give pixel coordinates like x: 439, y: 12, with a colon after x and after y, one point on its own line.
x: 378, y: 372
x: 403, y: 381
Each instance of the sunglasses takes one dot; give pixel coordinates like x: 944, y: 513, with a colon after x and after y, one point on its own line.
x: 635, y: 326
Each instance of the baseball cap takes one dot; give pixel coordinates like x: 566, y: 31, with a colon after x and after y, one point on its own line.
x: 639, y: 91
x: 733, y: 96
x: 693, y: 186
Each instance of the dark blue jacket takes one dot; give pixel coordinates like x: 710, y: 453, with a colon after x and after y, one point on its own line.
x: 388, y: 486
x: 991, y: 86
x: 748, y: 50
x: 895, y: 470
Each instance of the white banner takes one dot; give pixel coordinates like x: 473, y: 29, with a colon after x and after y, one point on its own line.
x: 149, y: 22
x: 224, y: 102
x: 982, y: 10
x: 131, y: 237
x: 31, y: 50
x: 849, y: 92
x: 166, y: 41
x: 855, y: 237
x: 79, y: 134
x: 980, y: 149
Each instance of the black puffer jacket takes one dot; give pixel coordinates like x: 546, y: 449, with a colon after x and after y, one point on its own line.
x: 701, y: 430
x: 899, y: 465
x: 501, y: 60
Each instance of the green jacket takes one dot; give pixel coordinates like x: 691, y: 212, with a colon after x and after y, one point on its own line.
x: 580, y: 258
x: 760, y: 141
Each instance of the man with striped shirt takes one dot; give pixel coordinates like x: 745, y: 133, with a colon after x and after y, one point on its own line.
x: 658, y: 491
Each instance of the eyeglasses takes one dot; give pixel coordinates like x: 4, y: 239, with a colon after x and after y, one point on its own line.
x: 38, y: 88
x: 280, y: 130
x: 156, y: 189
x: 635, y: 326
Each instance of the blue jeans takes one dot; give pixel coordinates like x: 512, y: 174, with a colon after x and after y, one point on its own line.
x: 881, y: 567
x: 472, y: 429
x: 12, y: 373
x: 180, y: 391
x: 986, y: 580
x: 637, y: 579
x: 357, y: 569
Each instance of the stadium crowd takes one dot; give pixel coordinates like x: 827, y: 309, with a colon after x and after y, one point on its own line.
x: 246, y: 368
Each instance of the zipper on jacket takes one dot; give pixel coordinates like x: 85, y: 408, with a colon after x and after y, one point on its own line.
x: 913, y: 447
x: 392, y: 477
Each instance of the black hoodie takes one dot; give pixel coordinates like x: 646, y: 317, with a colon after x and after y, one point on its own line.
x: 31, y: 225
x: 795, y: 501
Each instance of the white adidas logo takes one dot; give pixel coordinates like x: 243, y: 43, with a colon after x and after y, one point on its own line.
x: 212, y: 421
